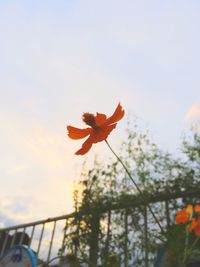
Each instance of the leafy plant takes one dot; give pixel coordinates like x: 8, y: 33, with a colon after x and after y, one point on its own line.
x: 107, y: 202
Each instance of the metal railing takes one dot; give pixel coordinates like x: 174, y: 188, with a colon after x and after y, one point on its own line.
x: 47, y: 237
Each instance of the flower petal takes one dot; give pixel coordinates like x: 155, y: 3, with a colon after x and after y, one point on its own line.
x: 85, y: 147
x: 76, y: 133
x: 189, y: 208
x: 182, y: 216
x: 117, y: 115
x: 100, y: 118
x: 192, y: 225
x: 197, y: 208
x: 197, y: 228
x: 102, y: 133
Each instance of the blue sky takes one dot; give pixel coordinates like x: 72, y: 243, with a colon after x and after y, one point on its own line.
x: 62, y: 58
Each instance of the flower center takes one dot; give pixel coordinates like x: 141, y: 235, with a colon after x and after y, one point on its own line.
x: 89, y: 119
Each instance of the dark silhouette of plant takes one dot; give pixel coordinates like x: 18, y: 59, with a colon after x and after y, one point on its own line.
x: 111, y: 218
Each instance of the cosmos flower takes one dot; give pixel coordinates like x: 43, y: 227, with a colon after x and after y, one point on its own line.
x: 183, y: 216
x: 194, y: 226
x: 197, y: 208
x: 100, y: 128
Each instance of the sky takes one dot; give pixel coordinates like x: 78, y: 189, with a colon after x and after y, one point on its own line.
x: 62, y: 58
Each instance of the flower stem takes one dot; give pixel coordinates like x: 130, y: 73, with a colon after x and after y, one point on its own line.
x: 186, y: 246
x: 135, y: 184
x: 188, y: 251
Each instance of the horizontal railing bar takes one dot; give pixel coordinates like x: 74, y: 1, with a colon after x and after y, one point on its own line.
x: 132, y: 201
x: 58, y: 218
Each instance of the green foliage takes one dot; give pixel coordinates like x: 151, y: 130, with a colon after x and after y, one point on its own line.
x: 108, y: 207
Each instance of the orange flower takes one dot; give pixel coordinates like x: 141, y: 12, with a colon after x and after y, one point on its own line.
x: 189, y: 209
x: 100, y: 128
x: 197, y: 228
x: 183, y: 216
x: 194, y: 226
x: 197, y: 208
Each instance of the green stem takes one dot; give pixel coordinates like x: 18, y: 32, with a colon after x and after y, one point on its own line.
x: 186, y: 246
x: 135, y: 184
x: 187, y: 252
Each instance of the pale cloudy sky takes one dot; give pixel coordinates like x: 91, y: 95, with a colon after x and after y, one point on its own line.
x: 62, y: 58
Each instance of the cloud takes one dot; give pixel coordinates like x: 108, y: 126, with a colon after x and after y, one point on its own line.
x: 38, y: 169
x: 14, y: 210
x: 44, y: 145
x: 131, y: 39
x: 18, y: 168
x: 193, y: 112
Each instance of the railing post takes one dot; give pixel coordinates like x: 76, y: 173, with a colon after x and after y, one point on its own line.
x: 106, y: 253
x: 5, y: 242
x: 13, y: 238
x: 146, y: 256
x: 40, y: 240
x: 32, y: 234
x: 51, y: 242
x: 62, y: 250
x: 167, y: 213
x: 126, y: 238
x: 94, y: 238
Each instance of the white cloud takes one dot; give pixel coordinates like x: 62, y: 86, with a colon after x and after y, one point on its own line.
x: 193, y: 112
x: 45, y: 146
x: 37, y: 163
x: 17, y: 168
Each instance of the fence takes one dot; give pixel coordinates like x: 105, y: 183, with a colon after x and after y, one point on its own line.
x: 121, y: 228
x: 45, y: 237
